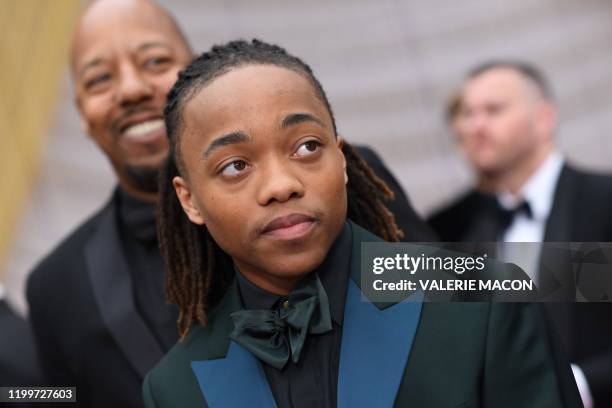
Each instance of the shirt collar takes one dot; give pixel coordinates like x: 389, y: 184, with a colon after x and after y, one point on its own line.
x: 333, y: 273
x: 539, y: 190
x: 138, y: 217
x: 2, y: 291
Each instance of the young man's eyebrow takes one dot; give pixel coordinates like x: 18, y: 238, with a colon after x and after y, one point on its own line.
x: 227, y: 139
x: 296, y: 118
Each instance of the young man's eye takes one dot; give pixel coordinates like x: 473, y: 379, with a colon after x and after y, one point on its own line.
x: 307, y: 148
x: 234, y: 168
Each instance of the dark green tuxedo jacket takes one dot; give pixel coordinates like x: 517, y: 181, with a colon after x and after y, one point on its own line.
x: 408, y: 354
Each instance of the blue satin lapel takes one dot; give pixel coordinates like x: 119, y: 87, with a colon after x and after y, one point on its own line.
x: 234, y: 381
x: 375, y: 348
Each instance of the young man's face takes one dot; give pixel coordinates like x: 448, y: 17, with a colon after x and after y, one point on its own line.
x: 264, y: 172
x: 126, y: 57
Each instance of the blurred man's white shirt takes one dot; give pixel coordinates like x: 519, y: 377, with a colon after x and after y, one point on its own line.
x: 538, y: 192
x: 583, y: 387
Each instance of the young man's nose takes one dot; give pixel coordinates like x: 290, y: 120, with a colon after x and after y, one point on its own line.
x: 278, y: 181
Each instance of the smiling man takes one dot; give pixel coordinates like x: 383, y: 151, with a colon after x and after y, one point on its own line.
x: 97, y: 301
x: 263, y: 213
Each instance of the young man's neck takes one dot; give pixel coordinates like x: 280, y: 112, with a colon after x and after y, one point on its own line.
x: 281, y: 286
x: 513, y: 180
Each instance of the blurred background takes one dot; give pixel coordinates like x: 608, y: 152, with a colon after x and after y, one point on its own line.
x: 388, y: 67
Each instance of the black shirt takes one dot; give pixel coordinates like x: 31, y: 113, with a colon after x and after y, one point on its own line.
x: 139, y: 242
x: 313, y: 380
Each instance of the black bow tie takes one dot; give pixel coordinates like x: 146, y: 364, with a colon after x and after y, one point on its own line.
x: 274, y: 336
x: 505, y: 216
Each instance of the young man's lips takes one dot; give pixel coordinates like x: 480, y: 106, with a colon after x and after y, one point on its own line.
x: 290, y: 226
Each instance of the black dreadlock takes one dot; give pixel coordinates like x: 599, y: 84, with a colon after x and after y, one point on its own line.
x: 197, y: 271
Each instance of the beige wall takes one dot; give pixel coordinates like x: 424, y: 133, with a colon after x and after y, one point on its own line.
x: 388, y: 67
x: 32, y: 50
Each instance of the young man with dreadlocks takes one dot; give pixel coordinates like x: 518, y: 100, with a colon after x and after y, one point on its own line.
x: 263, y: 211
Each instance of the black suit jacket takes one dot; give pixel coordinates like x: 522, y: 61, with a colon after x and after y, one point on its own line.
x: 407, y: 354
x: 580, y: 213
x: 18, y: 362
x: 88, y: 331
x: 87, y: 328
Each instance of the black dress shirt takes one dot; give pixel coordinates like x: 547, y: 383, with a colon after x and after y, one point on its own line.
x: 312, y: 381
x: 139, y: 241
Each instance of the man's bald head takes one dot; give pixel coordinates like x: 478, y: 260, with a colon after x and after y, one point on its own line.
x: 126, y: 55
x: 99, y: 13
x: 532, y: 76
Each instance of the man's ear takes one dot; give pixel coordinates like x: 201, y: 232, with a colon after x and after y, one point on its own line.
x: 340, y: 144
x: 84, y: 124
x: 547, y: 119
x: 187, y: 202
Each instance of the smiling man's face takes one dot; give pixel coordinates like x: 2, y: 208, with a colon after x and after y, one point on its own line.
x: 264, y: 172
x: 125, y: 58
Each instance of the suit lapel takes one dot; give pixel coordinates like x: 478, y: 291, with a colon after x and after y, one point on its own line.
x: 560, y: 228
x: 482, y: 224
x: 112, y: 288
x: 236, y: 380
x: 375, y: 348
x: 228, y: 375
x: 376, y: 341
x: 559, y: 223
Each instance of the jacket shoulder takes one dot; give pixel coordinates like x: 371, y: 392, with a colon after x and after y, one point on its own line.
x: 66, y: 258
x: 498, y: 354
x: 595, y: 184
x: 171, y: 382
x: 450, y: 221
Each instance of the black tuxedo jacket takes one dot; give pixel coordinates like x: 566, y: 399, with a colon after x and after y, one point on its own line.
x: 86, y: 325
x: 18, y: 362
x: 407, y: 354
x: 87, y: 328
x: 580, y: 213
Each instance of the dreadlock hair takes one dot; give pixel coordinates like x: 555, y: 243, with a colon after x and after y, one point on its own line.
x: 198, y: 272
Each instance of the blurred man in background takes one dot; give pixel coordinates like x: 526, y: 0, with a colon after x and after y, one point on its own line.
x: 97, y: 301
x: 18, y: 363
x: 505, y: 122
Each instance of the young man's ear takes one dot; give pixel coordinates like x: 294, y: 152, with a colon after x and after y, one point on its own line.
x: 187, y: 202
x: 340, y: 143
